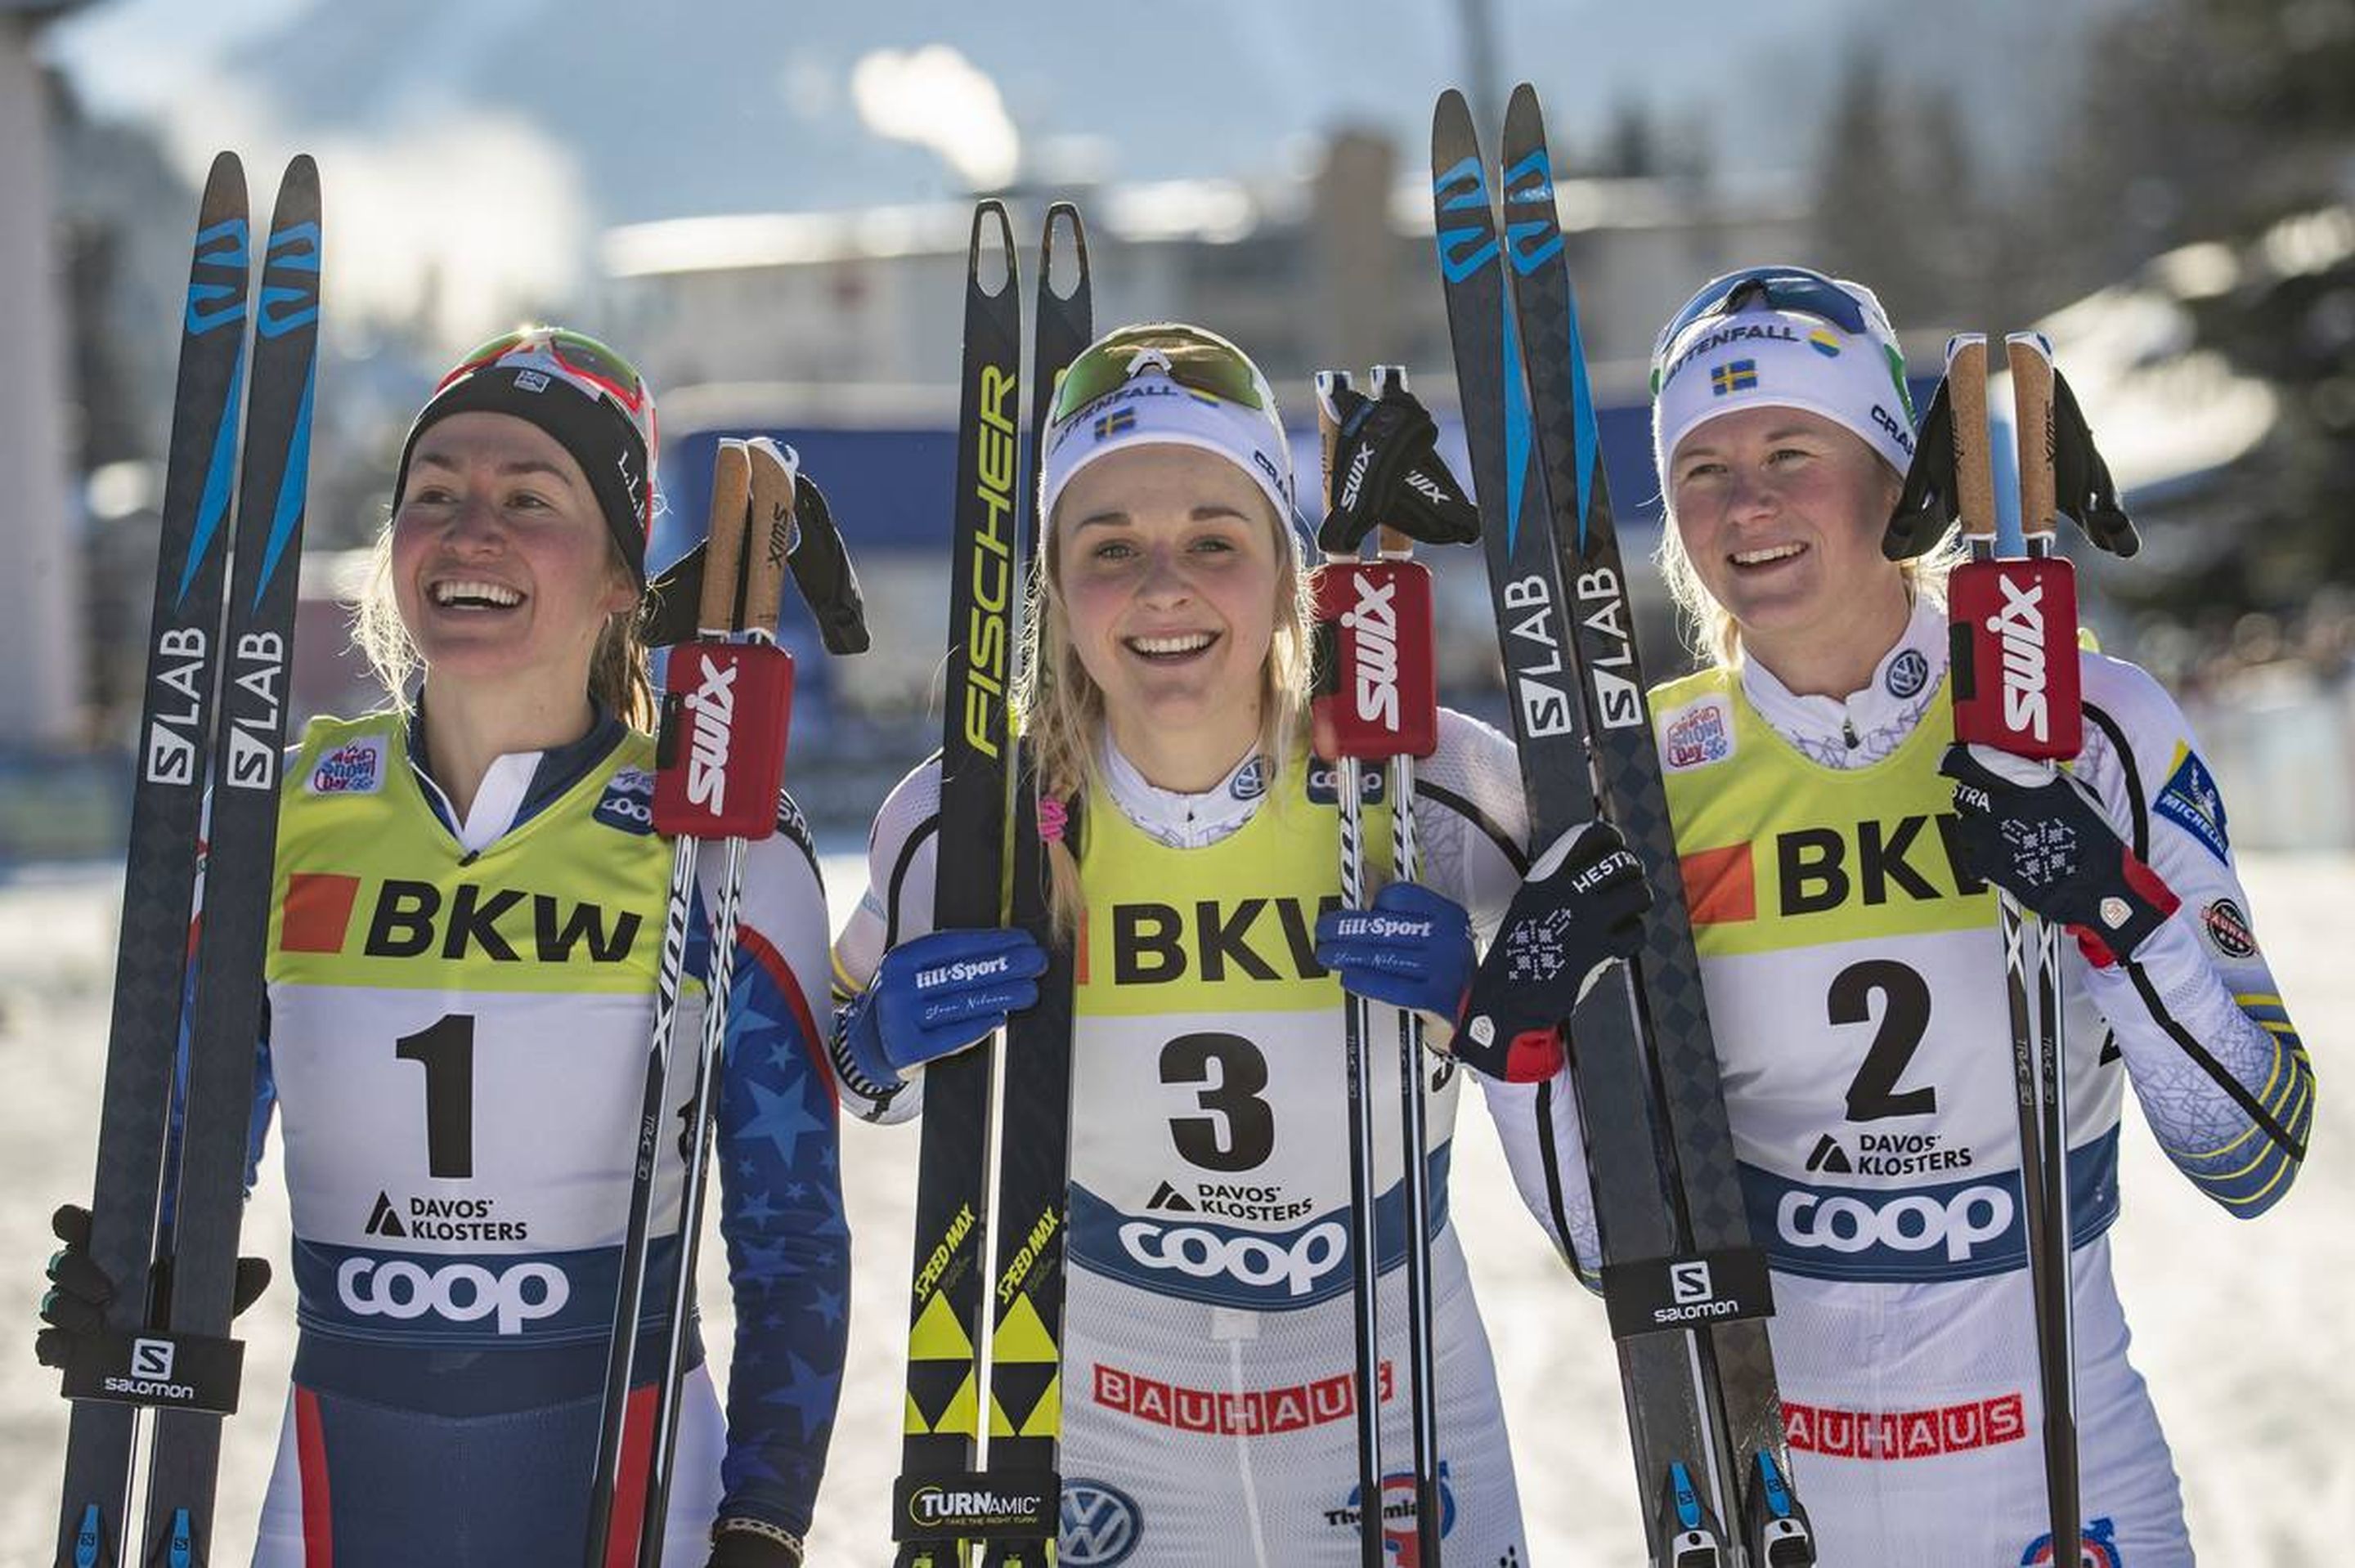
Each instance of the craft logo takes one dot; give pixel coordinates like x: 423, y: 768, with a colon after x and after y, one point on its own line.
x: 1734, y: 375
x: 1899, y: 431
x: 1698, y: 737
x: 354, y: 769
x: 2018, y: 627
x: 713, y: 704
x: 1907, y: 673
x: 1374, y: 651
x: 1100, y: 1525
x: 2227, y: 930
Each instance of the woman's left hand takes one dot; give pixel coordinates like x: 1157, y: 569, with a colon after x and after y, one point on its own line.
x: 2040, y: 834
x: 753, y: 1543
x: 1412, y: 948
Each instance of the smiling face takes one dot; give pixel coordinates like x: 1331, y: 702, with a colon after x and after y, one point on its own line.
x: 502, y: 566
x: 1782, y: 512
x: 1165, y: 559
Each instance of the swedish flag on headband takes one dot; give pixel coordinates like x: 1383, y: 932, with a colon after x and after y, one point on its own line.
x: 1734, y: 375
x: 1114, y: 423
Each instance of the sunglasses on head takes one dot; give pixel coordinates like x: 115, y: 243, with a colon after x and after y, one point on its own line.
x: 1776, y: 289
x: 1194, y: 360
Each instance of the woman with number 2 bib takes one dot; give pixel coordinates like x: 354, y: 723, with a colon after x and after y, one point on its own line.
x: 1842, y: 858
x: 469, y: 923
x: 1206, y: 1384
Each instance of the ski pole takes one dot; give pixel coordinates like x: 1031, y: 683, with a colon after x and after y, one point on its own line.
x: 2023, y: 700
x: 723, y: 559
x: 1417, y: 650
x: 740, y: 739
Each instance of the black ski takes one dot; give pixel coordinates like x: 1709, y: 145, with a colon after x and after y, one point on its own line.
x: 1034, y: 1137
x: 970, y: 889
x: 242, y: 839
x: 1703, y: 1410
x: 160, y: 872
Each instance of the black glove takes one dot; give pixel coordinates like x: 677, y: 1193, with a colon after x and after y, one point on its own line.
x: 79, y: 1291
x: 2040, y: 834
x: 1386, y: 461
x: 1581, y: 907
x: 753, y: 1544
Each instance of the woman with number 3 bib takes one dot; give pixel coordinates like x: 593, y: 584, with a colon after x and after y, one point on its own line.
x: 1842, y: 884
x: 462, y: 974
x: 1207, y: 1372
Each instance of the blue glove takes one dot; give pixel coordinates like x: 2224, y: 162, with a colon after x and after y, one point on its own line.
x: 937, y: 994
x: 1412, y: 948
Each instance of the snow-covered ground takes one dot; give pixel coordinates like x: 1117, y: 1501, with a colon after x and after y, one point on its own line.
x: 2243, y: 1330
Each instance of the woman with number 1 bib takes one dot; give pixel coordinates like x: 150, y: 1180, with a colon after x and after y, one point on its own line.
x: 1842, y: 858
x: 1207, y: 1372
x: 470, y: 917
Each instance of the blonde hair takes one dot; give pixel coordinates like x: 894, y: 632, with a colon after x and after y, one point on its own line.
x: 1710, y: 629
x: 1061, y: 709
x: 618, y: 678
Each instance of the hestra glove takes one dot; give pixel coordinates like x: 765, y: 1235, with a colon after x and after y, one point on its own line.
x: 1581, y: 908
x: 2040, y: 834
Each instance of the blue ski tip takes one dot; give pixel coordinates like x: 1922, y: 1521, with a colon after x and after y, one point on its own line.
x: 86, y: 1538
x: 183, y: 1551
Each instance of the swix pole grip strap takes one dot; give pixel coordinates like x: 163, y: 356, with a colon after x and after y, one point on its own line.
x: 1377, y: 693
x: 2014, y: 625
x: 720, y: 753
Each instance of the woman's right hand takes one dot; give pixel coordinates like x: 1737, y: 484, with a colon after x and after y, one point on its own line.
x: 939, y: 993
x: 75, y: 1307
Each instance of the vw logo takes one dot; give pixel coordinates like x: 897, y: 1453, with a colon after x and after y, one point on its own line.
x: 1100, y: 1525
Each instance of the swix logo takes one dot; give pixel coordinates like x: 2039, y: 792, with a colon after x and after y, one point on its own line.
x: 1373, y: 651
x: 713, y: 704
x: 1423, y: 484
x: 1910, y: 1222
x: 180, y: 659
x: 1356, y: 476
x: 2019, y: 628
x: 460, y: 1292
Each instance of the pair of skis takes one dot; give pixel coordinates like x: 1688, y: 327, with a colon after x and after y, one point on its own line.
x: 1686, y: 1288
x: 212, y: 727
x: 981, y: 1435
x: 727, y: 710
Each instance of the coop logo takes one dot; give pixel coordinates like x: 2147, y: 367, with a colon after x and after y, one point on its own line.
x: 713, y: 704
x: 1325, y: 783
x: 1910, y: 1223
x: 2019, y: 628
x: 1262, y: 1264
x: 457, y: 1292
x: 1374, y: 651
x: 354, y: 769
x: 628, y: 801
x: 1100, y: 1525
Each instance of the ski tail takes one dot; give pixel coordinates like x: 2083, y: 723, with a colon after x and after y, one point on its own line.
x: 1025, y: 1371
x: 175, y: 742
x: 256, y: 646
x: 942, y: 1425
